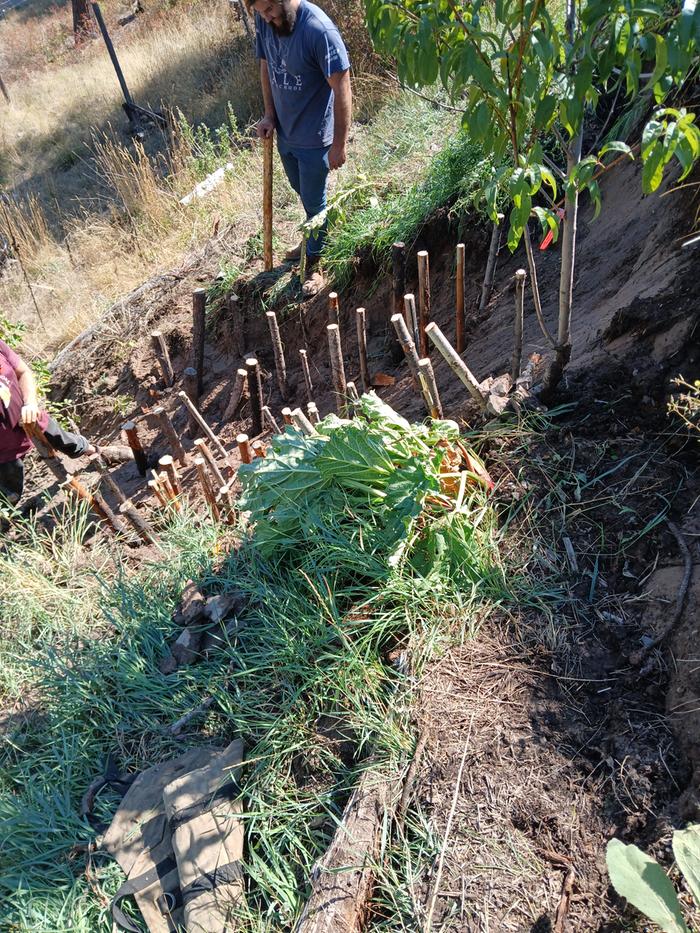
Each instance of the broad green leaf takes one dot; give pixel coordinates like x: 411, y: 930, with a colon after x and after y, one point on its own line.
x: 653, y: 170
x: 686, y: 849
x: 642, y: 881
x: 616, y: 146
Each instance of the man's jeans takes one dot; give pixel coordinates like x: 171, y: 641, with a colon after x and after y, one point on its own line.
x: 307, y: 171
x: 12, y: 473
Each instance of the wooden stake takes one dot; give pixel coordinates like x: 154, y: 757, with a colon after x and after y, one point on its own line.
x: 411, y: 317
x: 259, y: 449
x: 237, y: 393
x: 429, y: 386
x: 362, y: 348
x: 287, y: 415
x: 256, y: 396
x: 353, y: 394
x: 314, y: 416
x: 409, y: 350
x: 333, y: 308
x: 162, y: 419
x: 102, y: 468
x: 199, y: 420
x: 244, y: 448
x: 270, y: 418
x: 154, y: 486
x: 169, y: 491
x: 202, y: 449
x: 302, y: 422
x: 398, y: 289
x: 307, y: 374
x: 199, y: 311
x: 423, y: 300
x: 459, y: 300
x: 189, y: 382
x: 267, y: 203
x: 491, y: 264
x: 338, y: 369
x: 205, y: 483
x: 278, y: 350
x: 98, y: 505
x: 160, y: 348
x: 45, y: 450
x: 166, y: 462
x: 518, y: 330
x: 134, y: 441
x: 459, y: 368
x: 143, y: 529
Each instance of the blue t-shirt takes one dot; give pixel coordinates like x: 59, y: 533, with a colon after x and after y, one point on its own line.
x: 299, y: 65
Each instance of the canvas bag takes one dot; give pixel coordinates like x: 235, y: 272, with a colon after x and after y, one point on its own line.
x: 203, y: 810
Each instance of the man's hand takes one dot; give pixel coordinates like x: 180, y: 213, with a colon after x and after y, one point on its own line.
x: 265, y: 127
x: 336, y: 156
x: 30, y: 413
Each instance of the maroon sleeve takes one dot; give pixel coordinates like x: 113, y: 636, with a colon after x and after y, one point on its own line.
x: 9, y: 355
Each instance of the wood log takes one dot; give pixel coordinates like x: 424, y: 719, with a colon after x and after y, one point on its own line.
x: 237, y: 394
x: 335, y: 350
x: 189, y: 384
x: 333, y: 308
x: 143, y: 529
x: 134, y: 441
x: 162, y: 419
x: 411, y: 355
x: 459, y: 299
x: 411, y: 317
x: 102, y: 468
x: 244, y: 448
x: 424, y: 311
x: 458, y: 367
x: 287, y: 415
x: 256, y: 396
x: 278, y: 350
x: 199, y: 311
x: 199, y: 420
x: 398, y: 288
x: 518, y: 328
x: 303, y: 354
x: 203, y: 449
x: 429, y: 387
x: 160, y: 348
x: 362, y: 348
x: 301, y: 422
x: 314, y: 416
x: 270, y: 418
x: 207, y: 487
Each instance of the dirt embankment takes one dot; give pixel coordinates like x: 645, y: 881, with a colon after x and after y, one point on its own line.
x: 569, y: 736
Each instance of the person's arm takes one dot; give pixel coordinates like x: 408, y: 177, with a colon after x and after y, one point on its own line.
x: 27, y: 384
x: 342, y: 117
x: 266, y: 126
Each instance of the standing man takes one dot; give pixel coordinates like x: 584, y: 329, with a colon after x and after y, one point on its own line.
x: 19, y: 406
x: 305, y: 76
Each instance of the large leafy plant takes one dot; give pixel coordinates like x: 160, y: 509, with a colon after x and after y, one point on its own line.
x: 524, y: 70
x: 642, y: 881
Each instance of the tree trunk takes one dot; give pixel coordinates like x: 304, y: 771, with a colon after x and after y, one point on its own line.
x: 82, y: 20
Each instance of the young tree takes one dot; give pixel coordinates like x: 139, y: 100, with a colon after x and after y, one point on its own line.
x: 82, y: 20
x: 524, y: 69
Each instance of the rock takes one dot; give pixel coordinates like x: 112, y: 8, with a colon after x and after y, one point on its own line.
x: 192, y: 605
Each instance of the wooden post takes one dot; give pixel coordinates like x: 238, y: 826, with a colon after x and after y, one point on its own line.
x: 333, y: 308
x: 398, y: 289
x: 429, y: 386
x: 455, y: 363
x: 143, y: 529
x: 353, y: 394
x: 199, y: 420
x: 459, y: 299
x: 423, y: 300
x: 336, y: 355
x: 162, y: 419
x: 302, y: 422
x: 134, y: 441
x: 314, y: 416
x: 244, y: 448
x: 189, y: 381
x: 307, y: 374
x: 204, y: 451
x: 168, y: 490
x: 209, y: 494
x: 98, y: 505
x: 237, y: 393
x: 155, y: 487
x: 256, y: 396
x: 287, y: 415
x: 102, y: 468
x: 45, y: 450
x: 259, y: 449
x: 518, y: 335
x: 491, y: 264
x: 362, y: 348
x: 267, y: 203
x: 278, y: 350
x: 411, y: 317
x: 160, y: 348
x: 270, y: 418
x: 409, y: 350
x: 199, y: 311
x: 167, y: 463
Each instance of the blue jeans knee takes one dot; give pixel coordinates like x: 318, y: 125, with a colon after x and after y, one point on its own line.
x: 307, y: 171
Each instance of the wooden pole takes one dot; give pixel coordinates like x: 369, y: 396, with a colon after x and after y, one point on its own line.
x: 134, y: 441
x: 45, y: 450
x: 409, y: 350
x: 411, y: 317
x: 423, y: 300
x: 154, y: 486
x: 459, y: 300
x: 259, y: 449
x: 207, y: 488
x: 168, y: 490
x: 267, y: 203
x: 278, y: 350
x: 302, y: 422
x: 162, y: 419
x: 199, y: 311
x: 143, y: 529
x: 287, y: 415
x: 244, y: 448
x: 429, y: 386
x: 362, y: 347
x: 307, y: 374
x: 160, y: 349
x: 458, y: 367
x: 353, y: 394
x: 167, y: 463
x: 271, y: 421
x: 398, y: 289
x: 314, y: 416
x: 204, y: 451
x: 338, y: 369
x: 203, y: 425
x: 189, y: 382
x: 98, y: 505
x: 102, y: 468
x: 333, y: 308
x: 256, y: 396
x: 491, y: 264
x: 518, y: 334
x: 237, y: 393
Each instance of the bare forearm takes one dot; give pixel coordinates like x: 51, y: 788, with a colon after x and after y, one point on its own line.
x: 266, y: 90
x: 27, y: 385
x: 342, y: 110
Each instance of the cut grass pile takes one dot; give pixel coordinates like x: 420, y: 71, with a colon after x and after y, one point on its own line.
x: 308, y: 682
